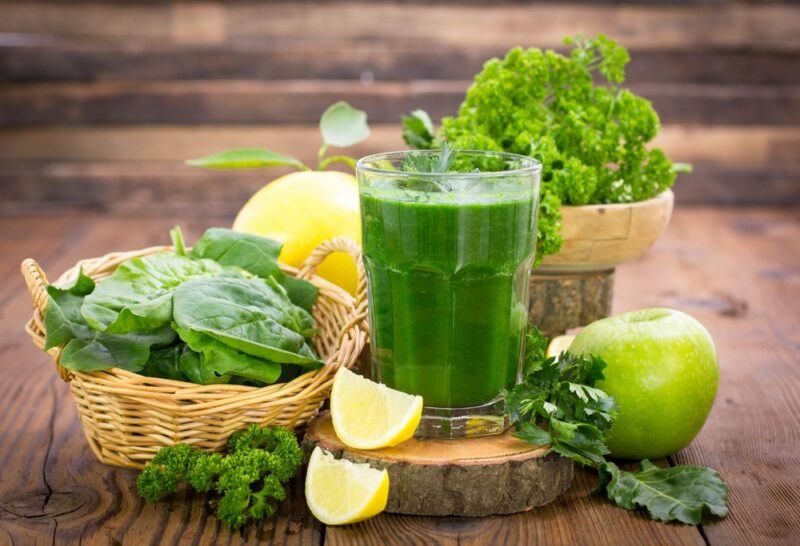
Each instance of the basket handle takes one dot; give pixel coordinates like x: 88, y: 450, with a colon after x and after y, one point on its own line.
x: 37, y: 283
x: 348, y: 246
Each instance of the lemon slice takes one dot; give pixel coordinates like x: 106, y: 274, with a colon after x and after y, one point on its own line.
x: 559, y: 344
x: 340, y: 491
x: 369, y: 415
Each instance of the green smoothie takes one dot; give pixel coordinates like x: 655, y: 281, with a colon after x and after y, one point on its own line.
x: 448, y: 267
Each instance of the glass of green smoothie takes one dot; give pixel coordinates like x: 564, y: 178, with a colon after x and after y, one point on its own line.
x: 448, y: 240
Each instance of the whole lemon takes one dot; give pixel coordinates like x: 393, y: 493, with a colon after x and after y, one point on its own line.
x: 302, y: 210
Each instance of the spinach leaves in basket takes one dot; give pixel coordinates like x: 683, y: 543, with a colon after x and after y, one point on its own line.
x: 223, y: 312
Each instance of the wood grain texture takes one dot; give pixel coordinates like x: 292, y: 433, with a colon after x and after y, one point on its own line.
x: 88, y: 76
x: 496, y: 474
x: 562, y: 301
x: 576, y: 517
x: 731, y: 146
x: 139, y: 169
x: 770, y: 26
x: 52, y: 58
x: 600, y: 237
x: 737, y: 270
x: 739, y: 274
x: 155, y: 188
x: 302, y: 101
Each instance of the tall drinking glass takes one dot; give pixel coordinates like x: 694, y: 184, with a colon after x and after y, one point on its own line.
x: 448, y: 258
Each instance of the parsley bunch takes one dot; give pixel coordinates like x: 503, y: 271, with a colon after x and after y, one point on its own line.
x: 557, y: 403
x: 568, y: 112
x: 249, y: 479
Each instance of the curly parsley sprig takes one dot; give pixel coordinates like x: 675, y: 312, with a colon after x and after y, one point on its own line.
x: 558, y: 403
x: 569, y: 112
x: 249, y: 480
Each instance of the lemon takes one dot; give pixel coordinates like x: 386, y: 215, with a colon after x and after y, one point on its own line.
x: 559, y: 344
x: 302, y: 210
x: 340, y: 491
x: 369, y: 415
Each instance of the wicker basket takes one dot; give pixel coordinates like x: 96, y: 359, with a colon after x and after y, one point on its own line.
x: 128, y: 417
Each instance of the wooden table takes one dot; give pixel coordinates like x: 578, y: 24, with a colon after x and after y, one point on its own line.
x: 736, y: 270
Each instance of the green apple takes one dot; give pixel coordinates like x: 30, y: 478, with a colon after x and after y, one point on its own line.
x: 662, y: 371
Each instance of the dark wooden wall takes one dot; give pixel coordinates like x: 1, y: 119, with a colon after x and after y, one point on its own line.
x: 101, y: 101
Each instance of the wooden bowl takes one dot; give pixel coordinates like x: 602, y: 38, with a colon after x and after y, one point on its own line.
x: 600, y: 237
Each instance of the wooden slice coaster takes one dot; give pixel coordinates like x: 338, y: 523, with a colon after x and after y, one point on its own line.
x: 497, y: 474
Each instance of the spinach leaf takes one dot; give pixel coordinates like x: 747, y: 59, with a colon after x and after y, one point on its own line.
x: 250, y: 315
x: 137, y: 297
x: 210, y: 361
x: 165, y: 363
x: 258, y: 255
x: 86, y: 349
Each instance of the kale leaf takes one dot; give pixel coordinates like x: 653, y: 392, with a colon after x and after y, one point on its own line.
x: 682, y: 493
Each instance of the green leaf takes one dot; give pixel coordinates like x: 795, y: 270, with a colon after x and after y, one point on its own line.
x: 533, y: 434
x: 258, y: 318
x: 165, y: 363
x: 246, y: 158
x: 584, y: 444
x: 342, y: 125
x: 86, y: 349
x: 137, y: 297
x: 418, y: 131
x: 210, y: 361
x: 679, y: 493
x: 100, y: 351
x: 178, y: 244
x: 431, y: 162
x: 62, y: 318
x: 258, y: 255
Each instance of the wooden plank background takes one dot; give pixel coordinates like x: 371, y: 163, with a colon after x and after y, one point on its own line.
x: 101, y: 101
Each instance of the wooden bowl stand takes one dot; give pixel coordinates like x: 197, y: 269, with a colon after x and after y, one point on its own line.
x: 575, y: 286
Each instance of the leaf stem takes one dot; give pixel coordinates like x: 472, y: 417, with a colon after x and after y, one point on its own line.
x: 338, y: 159
x: 321, y: 155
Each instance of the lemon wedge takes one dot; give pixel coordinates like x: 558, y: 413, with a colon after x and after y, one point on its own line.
x: 369, y: 415
x: 339, y: 492
x: 559, y: 344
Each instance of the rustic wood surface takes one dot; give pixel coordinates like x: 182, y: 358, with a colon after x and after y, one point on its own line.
x: 437, y: 477
x: 736, y: 270
x: 112, y: 96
